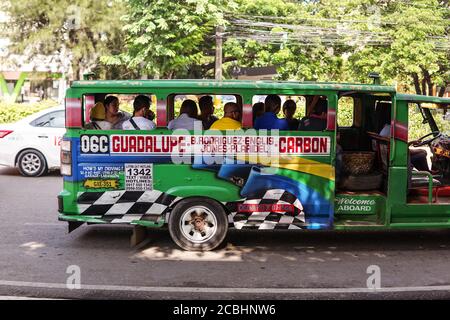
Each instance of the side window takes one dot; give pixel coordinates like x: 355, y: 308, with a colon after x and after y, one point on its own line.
x: 207, y: 108
x: 345, y: 116
x: 300, y: 105
x: 294, y: 109
x: 50, y: 120
x: 124, y: 103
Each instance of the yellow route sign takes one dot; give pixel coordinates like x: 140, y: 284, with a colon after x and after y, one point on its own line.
x: 101, y: 184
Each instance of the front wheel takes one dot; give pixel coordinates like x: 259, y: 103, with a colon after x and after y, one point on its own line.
x: 31, y: 163
x: 198, y: 224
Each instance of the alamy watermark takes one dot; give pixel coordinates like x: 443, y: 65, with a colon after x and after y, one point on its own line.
x: 74, y: 279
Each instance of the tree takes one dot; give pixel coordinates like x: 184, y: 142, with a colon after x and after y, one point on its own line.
x: 78, y: 32
x: 415, y: 49
x: 170, y: 38
x: 283, y: 34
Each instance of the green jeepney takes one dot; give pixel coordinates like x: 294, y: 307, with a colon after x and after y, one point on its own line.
x: 356, y: 173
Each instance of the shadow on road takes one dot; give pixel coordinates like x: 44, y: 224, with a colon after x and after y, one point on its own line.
x: 318, y: 246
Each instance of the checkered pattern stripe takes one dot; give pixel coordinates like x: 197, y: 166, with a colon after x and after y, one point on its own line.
x: 126, y: 206
x: 268, y: 220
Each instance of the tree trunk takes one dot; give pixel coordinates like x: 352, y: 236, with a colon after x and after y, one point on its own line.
x: 430, y: 85
x: 424, y: 87
x: 416, y: 83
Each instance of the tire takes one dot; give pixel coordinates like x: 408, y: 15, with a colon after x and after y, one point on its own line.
x: 198, y: 224
x: 31, y: 163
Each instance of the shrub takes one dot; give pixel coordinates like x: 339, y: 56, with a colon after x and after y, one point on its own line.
x: 12, y: 112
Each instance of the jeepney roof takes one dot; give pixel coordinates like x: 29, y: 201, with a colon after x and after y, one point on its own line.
x: 421, y: 98
x: 233, y: 84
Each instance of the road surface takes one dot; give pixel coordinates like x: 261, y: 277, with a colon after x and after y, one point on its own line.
x: 38, y: 258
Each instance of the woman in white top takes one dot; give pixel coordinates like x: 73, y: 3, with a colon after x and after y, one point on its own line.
x: 112, y: 113
x: 187, y: 118
x: 139, y: 121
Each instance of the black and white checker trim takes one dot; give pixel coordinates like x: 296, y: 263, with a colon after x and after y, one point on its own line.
x: 268, y: 220
x: 126, y: 206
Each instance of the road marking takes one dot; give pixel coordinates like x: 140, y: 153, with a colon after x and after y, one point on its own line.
x: 43, y: 224
x: 24, y: 298
x: 224, y: 289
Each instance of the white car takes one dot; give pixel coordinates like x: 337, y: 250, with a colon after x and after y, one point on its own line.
x: 33, y: 143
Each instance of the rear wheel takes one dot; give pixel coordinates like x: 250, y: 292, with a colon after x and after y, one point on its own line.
x: 198, y: 224
x: 31, y: 163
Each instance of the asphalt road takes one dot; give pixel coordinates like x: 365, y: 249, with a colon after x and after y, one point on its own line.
x: 36, y: 252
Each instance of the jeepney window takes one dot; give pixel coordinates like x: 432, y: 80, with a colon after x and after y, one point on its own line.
x: 174, y: 102
x: 125, y: 104
x: 417, y: 126
x: 441, y: 116
x: 295, y: 108
x: 345, y: 114
x: 300, y: 104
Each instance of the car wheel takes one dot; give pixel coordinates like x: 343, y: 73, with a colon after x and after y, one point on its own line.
x: 31, y: 163
x: 198, y: 224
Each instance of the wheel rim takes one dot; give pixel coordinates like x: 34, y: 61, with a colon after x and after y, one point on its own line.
x: 30, y: 163
x: 198, y: 224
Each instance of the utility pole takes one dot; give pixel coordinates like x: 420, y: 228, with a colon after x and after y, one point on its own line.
x: 218, y: 69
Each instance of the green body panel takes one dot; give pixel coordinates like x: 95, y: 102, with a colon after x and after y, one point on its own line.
x: 187, y: 182
x: 360, y: 205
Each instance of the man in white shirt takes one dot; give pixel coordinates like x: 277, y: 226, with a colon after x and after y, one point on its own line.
x: 187, y: 118
x: 139, y: 121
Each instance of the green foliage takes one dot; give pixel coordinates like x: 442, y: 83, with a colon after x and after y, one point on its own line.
x: 345, y: 112
x: 414, y: 54
x: 168, y: 38
x: 12, y: 112
x: 79, y: 31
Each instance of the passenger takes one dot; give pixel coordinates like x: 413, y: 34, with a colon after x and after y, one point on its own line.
x: 317, y: 120
x: 230, y: 120
x: 97, y: 116
x: 113, y: 115
x: 187, y: 118
x: 269, y: 120
x: 289, y: 108
x: 207, y: 116
x: 418, y: 157
x: 258, y: 110
x: 139, y: 120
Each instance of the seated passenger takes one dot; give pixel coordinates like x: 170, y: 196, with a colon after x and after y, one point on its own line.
x: 230, y: 120
x: 269, y: 120
x: 112, y: 113
x: 289, y: 108
x: 97, y: 116
x: 207, y: 111
x: 139, y: 121
x: 257, y: 110
x: 418, y: 157
x: 317, y: 120
x: 187, y: 118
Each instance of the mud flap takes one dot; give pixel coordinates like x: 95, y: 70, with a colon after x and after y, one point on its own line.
x: 73, y: 225
x: 138, y: 236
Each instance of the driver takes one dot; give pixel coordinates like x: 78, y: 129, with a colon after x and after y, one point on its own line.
x: 418, y: 156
